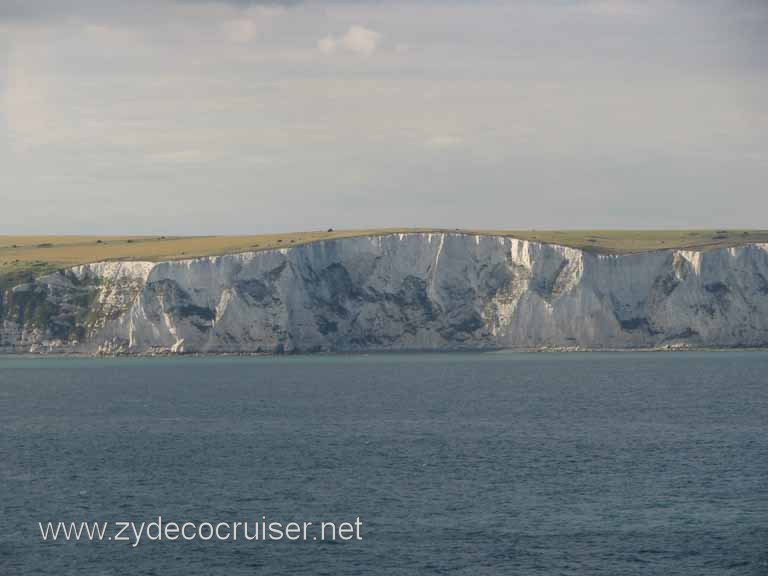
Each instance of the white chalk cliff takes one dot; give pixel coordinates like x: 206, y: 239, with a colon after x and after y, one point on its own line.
x: 412, y: 291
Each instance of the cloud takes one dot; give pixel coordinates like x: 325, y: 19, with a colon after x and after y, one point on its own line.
x: 57, y: 10
x: 443, y: 142
x: 357, y: 40
x: 190, y: 156
x: 30, y: 9
x: 327, y: 45
x: 241, y: 30
x: 161, y: 100
x: 26, y: 106
x: 612, y: 7
x: 361, y: 40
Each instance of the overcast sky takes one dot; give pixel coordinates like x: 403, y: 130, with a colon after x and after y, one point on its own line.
x: 194, y: 117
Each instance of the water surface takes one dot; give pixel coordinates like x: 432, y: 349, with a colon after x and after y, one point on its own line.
x: 550, y: 464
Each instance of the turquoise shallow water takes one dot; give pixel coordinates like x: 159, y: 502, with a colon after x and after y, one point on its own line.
x: 456, y: 463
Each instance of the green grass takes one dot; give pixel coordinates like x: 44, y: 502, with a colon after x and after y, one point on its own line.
x: 25, y: 257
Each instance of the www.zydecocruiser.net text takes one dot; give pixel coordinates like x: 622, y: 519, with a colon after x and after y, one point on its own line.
x: 159, y: 530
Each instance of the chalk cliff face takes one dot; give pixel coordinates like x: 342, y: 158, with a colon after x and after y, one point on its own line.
x: 397, y: 292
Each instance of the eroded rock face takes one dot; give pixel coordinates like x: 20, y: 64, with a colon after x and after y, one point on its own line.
x: 397, y: 292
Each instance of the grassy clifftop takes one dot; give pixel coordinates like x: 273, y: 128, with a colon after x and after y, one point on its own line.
x: 23, y: 257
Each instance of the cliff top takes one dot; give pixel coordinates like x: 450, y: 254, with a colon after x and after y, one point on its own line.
x: 25, y: 256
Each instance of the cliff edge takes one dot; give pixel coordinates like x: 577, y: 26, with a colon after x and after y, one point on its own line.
x: 409, y: 291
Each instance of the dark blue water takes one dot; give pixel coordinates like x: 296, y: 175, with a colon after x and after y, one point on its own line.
x: 550, y: 464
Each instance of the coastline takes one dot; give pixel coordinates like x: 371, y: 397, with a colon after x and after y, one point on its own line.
x: 362, y: 353
x: 409, y: 292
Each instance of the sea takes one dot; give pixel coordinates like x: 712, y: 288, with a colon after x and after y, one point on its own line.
x: 467, y: 464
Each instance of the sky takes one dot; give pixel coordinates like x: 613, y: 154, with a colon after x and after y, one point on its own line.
x: 247, y: 117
